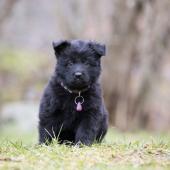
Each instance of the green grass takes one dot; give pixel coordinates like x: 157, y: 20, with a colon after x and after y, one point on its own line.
x: 119, y: 151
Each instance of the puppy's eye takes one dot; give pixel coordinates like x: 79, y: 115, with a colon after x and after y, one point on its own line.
x: 87, y: 64
x: 69, y: 63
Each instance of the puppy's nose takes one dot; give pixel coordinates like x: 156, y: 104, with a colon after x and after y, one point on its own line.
x: 78, y: 74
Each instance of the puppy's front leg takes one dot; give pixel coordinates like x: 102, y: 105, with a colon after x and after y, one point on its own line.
x: 87, y: 131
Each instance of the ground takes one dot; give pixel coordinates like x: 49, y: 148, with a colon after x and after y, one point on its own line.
x: 119, y: 151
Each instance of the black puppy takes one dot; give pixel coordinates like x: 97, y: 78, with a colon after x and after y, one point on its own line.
x: 72, y: 107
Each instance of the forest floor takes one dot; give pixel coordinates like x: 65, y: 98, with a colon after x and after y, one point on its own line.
x: 119, y: 151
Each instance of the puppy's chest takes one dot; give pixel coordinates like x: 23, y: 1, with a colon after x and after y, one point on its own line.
x: 69, y: 112
x: 72, y: 103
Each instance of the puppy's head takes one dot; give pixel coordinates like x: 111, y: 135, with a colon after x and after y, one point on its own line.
x: 78, y: 62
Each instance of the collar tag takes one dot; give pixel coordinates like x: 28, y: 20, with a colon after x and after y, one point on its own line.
x: 79, y: 100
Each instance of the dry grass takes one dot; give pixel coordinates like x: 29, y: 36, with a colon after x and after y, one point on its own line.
x: 119, y: 151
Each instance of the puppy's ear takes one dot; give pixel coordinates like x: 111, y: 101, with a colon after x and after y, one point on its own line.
x: 100, y: 49
x: 60, y: 46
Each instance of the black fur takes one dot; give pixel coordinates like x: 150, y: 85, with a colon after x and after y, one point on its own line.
x: 57, y: 115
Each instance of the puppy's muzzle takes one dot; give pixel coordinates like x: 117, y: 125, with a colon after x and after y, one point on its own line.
x: 78, y: 75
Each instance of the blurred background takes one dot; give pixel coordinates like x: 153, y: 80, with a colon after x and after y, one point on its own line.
x: 136, y: 69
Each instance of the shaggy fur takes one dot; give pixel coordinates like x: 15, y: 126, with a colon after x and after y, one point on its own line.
x: 78, y: 68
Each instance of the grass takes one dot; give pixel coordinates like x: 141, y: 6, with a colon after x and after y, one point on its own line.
x: 119, y: 151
